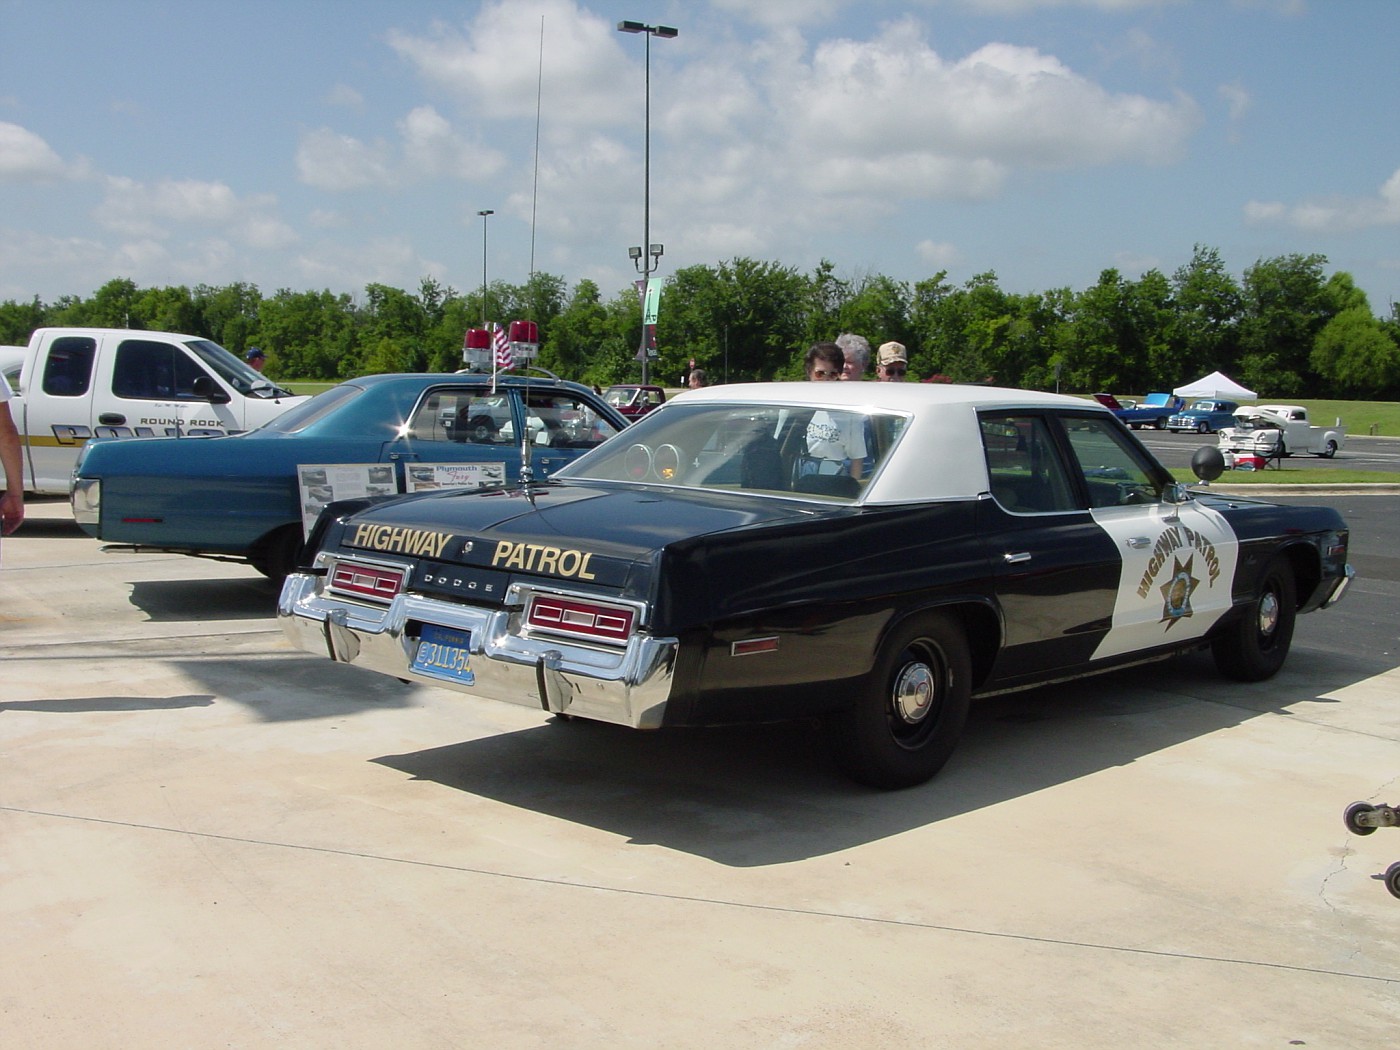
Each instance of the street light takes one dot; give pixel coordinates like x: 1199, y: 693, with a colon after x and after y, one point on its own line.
x: 645, y: 262
x: 483, y: 215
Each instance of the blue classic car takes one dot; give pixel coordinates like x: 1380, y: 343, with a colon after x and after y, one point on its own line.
x: 244, y: 497
x: 1152, y: 411
x: 1205, y: 416
x: 729, y: 558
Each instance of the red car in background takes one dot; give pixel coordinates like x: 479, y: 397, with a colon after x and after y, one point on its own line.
x: 634, y: 400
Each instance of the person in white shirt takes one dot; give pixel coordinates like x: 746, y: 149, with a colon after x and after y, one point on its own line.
x: 12, y: 502
x: 835, y: 443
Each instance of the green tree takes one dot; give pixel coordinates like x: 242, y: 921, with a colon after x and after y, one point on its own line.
x: 1205, y: 337
x: 1285, y: 307
x: 1355, y: 355
x: 230, y: 314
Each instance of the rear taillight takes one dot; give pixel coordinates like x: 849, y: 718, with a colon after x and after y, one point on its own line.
x: 377, y: 583
x: 580, y: 618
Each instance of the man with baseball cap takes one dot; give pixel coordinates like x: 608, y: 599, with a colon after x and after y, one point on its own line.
x: 256, y: 358
x: 892, y: 363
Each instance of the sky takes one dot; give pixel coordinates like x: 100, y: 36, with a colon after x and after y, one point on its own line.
x: 330, y: 144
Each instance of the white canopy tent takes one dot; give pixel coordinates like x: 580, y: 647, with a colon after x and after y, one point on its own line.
x: 1215, y: 385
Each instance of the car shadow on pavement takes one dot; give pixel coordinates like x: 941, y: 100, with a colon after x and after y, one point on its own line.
x: 253, y: 598
x: 760, y: 795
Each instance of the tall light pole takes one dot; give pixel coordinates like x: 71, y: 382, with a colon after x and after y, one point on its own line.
x: 483, y: 215
x: 648, y: 260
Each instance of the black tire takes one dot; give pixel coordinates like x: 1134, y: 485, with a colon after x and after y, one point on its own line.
x: 277, y: 553
x: 1353, y: 811
x: 1161, y: 423
x: 1256, y: 645
x: 482, y: 429
x: 911, y: 710
x: 1392, y: 879
x: 1329, y: 451
x: 1203, y: 427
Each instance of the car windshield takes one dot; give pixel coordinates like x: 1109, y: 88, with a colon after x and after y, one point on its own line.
x: 620, y: 397
x: 239, y: 375
x: 792, y: 450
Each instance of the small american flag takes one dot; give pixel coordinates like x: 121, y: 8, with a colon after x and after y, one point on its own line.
x: 505, y: 360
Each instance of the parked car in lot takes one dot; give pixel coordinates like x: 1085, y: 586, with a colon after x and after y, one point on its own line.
x: 1152, y: 411
x: 238, y: 496
x: 1205, y: 416
x: 634, y: 400
x: 723, y: 560
x: 1276, y: 431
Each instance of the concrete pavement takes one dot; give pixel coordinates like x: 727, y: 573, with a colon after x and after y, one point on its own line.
x: 208, y: 839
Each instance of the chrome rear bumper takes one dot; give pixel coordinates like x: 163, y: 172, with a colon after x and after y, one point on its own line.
x: 626, y: 686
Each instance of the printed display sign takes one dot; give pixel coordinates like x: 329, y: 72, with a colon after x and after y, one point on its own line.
x: 322, y: 483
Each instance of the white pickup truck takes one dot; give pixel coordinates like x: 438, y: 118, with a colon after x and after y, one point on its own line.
x: 72, y: 384
x: 1275, y: 431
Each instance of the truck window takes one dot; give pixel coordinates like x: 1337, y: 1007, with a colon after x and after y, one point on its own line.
x: 150, y: 371
x: 68, y: 370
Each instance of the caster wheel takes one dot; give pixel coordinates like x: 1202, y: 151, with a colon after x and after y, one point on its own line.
x: 1355, y: 810
x: 1392, y: 879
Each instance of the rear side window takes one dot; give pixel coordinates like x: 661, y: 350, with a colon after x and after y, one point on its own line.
x: 68, y: 370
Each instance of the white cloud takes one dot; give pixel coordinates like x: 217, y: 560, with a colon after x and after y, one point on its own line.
x: 427, y: 148
x: 149, y: 211
x: 328, y: 160
x: 493, y: 65
x: 345, y: 95
x: 1333, y: 214
x: 25, y: 157
x: 1002, y: 105
x: 938, y: 254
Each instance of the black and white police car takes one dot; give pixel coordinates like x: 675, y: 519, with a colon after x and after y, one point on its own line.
x: 871, y: 554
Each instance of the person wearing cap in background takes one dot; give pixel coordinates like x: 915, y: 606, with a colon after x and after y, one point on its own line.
x: 892, y: 363
x: 856, y: 351
x: 256, y: 358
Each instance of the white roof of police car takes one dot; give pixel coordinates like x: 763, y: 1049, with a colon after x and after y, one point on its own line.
x: 939, y: 455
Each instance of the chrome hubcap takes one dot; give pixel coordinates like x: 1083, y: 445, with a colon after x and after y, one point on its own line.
x: 913, y: 693
x: 1268, y: 613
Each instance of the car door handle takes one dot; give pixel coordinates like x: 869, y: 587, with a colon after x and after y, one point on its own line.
x: 112, y: 419
x: 1138, y: 543
x: 1017, y: 558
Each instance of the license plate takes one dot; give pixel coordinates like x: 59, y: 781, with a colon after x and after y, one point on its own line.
x: 445, y: 653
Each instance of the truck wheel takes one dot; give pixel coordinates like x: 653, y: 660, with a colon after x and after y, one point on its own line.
x: 482, y: 430
x: 276, y: 554
x: 1329, y: 450
x: 1254, y: 647
x: 911, y: 710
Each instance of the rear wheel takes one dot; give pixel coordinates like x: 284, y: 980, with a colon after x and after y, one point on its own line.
x: 1330, y: 450
x: 277, y: 553
x: 1255, y: 645
x: 912, y: 708
x: 1161, y: 423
